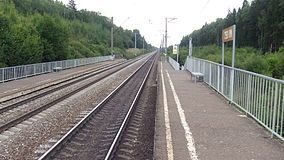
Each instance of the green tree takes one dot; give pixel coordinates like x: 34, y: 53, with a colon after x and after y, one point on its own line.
x: 24, y: 46
x: 54, y: 36
x: 4, y: 30
x: 72, y: 5
x: 46, y: 30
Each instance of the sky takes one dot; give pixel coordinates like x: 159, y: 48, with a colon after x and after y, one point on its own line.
x: 149, y: 16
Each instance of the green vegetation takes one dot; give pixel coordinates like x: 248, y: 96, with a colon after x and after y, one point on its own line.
x: 247, y: 58
x: 259, y: 39
x: 34, y: 31
x: 259, y: 25
x: 131, y: 53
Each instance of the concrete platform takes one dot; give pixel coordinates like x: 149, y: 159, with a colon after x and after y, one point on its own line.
x: 194, y: 122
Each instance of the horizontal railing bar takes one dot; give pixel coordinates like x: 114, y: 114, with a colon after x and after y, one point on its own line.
x: 241, y: 70
x: 174, y: 63
x: 22, y: 71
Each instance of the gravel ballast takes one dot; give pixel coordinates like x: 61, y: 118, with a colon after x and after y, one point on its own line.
x: 44, y: 129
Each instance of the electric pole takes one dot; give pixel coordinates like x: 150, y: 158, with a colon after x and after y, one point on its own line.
x: 143, y: 43
x: 163, y: 40
x: 166, y: 32
x: 111, y: 36
x: 135, y: 39
x: 166, y: 35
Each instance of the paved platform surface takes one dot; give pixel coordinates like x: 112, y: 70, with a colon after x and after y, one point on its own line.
x: 194, y: 122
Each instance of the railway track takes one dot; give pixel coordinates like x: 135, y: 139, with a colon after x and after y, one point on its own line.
x: 41, y: 92
x: 12, y: 121
x: 97, y: 135
x: 137, y: 141
x: 12, y: 100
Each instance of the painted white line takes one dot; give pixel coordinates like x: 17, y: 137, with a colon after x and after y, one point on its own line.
x: 167, y: 120
x: 187, y: 132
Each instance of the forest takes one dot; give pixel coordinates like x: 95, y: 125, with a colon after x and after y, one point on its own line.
x: 34, y: 31
x: 259, y: 38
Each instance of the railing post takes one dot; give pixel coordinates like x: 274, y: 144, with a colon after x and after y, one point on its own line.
x: 42, y: 70
x: 48, y: 66
x: 232, y: 85
x: 203, y: 67
x: 34, y: 69
x: 218, y: 78
x: 2, y: 75
x: 192, y: 65
x: 249, y: 93
x: 282, y: 113
x: 222, y: 80
x: 25, y: 71
x: 274, y: 108
x: 210, y: 74
x: 14, y: 72
x: 199, y: 66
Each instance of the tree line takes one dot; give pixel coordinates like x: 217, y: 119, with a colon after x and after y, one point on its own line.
x: 259, y: 25
x: 259, y: 38
x: 34, y: 31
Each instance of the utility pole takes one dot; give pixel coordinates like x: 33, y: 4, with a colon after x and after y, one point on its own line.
x: 111, y: 36
x: 143, y: 43
x: 166, y: 35
x: 163, y: 40
x: 135, y: 40
x: 166, y: 32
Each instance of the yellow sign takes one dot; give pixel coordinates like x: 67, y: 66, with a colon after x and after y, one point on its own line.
x: 228, y: 34
x: 175, y: 49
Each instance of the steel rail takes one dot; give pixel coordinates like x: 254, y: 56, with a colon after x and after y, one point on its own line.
x: 46, y: 106
x: 52, y: 151
x: 57, y: 83
x: 83, y: 77
x: 127, y: 117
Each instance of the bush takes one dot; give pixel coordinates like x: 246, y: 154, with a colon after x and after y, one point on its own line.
x: 100, y: 49
x: 131, y: 53
x: 78, y: 50
x: 247, y: 58
x: 257, y: 64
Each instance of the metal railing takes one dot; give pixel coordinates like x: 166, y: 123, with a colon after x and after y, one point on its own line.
x: 174, y: 63
x: 17, y: 72
x: 259, y: 96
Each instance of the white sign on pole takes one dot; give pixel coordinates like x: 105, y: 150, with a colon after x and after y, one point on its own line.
x: 175, y: 49
x: 228, y: 34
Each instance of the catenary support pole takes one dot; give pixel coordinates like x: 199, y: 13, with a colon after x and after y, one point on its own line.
x: 135, y: 40
x: 166, y: 35
x: 112, y: 36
